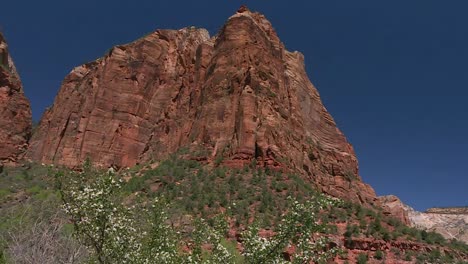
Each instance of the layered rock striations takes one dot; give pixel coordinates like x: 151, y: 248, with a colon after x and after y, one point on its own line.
x: 394, y: 207
x: 125, y: 107
x: 450, y: 222
x: 463, y: 210
x: 237, y: 98
x: 15, y: 111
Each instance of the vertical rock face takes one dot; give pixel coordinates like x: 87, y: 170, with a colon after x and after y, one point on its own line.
x: 239, y: 97
x: 118, y: 108
x: 15, y: 111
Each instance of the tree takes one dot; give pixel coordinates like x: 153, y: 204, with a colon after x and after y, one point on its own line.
x: 101, y: 222
x: 115, y: 232
x: 297, y: 228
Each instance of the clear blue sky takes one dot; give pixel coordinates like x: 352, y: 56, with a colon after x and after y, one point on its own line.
x: 392, y: 73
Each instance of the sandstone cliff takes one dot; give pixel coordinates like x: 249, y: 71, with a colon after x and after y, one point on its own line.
x: 449, y: 222
x: 236, y: 98
x: 15, y: 111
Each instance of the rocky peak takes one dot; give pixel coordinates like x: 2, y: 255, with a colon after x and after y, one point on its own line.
x: 242, y: 9
x: 238, y: 98
x: 254, y: 25
x: 15, y: 112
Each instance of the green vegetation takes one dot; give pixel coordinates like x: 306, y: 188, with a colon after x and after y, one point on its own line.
x: 32, y: 226
x: 195, y: 190
x: 435, y: 256
x: 115, y: 229
x: 362, y: 258
x: 379, y: 254
x: 248, y: 199
x: 409, y: 255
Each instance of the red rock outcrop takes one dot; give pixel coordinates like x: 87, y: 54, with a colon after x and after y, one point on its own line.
x: 393, y: 206
x: 239, y: 97
x: 371, y: 245
x: 15, y: 111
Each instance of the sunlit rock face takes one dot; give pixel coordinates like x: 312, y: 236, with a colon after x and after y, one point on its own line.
x: 15, y: 111
x: 449, y: 222
x: 239, y: 97
x: 393, y: 206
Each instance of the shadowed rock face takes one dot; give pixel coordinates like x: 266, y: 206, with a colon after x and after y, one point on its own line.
x: 239, y: 97
x: 15, y: 111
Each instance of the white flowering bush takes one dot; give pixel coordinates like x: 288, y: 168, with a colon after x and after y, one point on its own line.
x: 114, y: 233
x: 299, y: 228
x: 100, y: 220
x: 117, y: 233
x: 162, y: 242
x: 205, y: 235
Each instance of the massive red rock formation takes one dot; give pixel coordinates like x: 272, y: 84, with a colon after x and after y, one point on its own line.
x: 15, y: 111
x: 239, y: 97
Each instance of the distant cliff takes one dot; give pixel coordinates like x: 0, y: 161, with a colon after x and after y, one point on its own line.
x: 450, y: 222
x: 448, y: 210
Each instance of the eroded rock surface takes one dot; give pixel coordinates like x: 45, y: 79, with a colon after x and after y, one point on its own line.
x: 393, y: 206
x: 15, y: 111
x: 450, y: 222
x: 237, y: 98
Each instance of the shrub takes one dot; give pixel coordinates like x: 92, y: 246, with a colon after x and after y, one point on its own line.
x: 362, y: 258
x: 101, y: 222
x: 379, y: 254
x: 35, y: 232
x: 408, y: 255
x: 4, y: 193
x: 435, y: 255
x: 421, y: 258
x: 297, y: 226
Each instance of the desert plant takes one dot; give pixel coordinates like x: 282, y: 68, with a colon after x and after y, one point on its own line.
x: 362, y: 258
x: 408, y: 255
x: 379, y: 254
